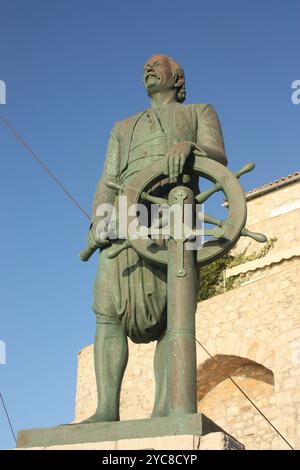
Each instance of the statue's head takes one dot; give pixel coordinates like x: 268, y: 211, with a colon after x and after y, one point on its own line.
x: 162, y: 73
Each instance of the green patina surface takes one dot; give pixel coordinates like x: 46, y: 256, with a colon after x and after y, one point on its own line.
x: 147, y: 290
x: 133, y: 291
x: 194, y: 424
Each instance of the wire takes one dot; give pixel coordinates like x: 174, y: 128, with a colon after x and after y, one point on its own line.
x: 62, y: 187
x: 65, y: 190
x: 8, y: 418
x: 43, y: 165
x: 245, y: 395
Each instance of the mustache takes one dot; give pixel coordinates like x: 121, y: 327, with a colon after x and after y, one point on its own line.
x: 151, y: 74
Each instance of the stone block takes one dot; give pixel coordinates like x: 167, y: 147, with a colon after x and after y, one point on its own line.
x: 212, y: 441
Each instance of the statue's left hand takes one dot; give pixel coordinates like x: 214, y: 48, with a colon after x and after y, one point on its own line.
x: 176, y: 158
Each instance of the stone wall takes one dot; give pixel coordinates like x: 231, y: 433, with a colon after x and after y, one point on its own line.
x: 252, y: 334
x: 137, y: 388
x: 275, y: 214
x: 256, y: 325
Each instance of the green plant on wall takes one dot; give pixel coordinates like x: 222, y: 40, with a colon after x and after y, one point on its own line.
x: 212, y: 281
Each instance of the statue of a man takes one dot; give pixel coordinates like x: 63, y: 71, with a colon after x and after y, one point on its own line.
x: 130, y: 294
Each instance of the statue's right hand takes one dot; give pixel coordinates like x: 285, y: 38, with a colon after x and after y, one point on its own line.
x: 94, y: 242
x: 97, y: 236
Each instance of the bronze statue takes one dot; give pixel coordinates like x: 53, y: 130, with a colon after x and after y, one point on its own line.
x: 131, y: 293
x: 132, y: 297
x: 147, y: 282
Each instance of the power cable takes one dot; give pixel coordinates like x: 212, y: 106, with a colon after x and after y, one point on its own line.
x: 244, y: 393
x: 8, y: 418
x: 66, y: 191
x: 43, y: 165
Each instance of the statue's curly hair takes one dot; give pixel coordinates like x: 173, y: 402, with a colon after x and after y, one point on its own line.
x: 178, y: 72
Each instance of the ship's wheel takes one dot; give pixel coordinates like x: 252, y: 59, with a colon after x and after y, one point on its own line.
x: 219, y: 240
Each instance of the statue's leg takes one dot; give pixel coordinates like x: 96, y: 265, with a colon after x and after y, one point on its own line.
x: 110, y: 357
x: 160, y: 372
x: 110, y: 349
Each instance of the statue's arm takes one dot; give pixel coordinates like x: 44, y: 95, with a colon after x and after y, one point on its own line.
x: 210, y: 141
x: 104, y: 194
x: 97, y: 235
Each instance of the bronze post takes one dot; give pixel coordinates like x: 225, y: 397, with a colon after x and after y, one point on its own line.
x: 182, y: 302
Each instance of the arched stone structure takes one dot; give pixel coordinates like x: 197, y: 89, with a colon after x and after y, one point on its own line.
x: 224, y: 403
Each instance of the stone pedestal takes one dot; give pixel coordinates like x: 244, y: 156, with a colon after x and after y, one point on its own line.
x: 212, y: 441
x: 190, y: 432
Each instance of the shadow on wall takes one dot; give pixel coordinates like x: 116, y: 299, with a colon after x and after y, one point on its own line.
x: 222, y: 401
x: 213, y: 371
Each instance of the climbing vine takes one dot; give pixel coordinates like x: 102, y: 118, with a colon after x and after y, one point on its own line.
x: 212, y: 280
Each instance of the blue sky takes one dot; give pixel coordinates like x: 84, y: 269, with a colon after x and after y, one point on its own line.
x: 72, y: 68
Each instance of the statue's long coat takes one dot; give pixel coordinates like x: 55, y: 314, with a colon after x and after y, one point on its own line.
x: 128, y: 288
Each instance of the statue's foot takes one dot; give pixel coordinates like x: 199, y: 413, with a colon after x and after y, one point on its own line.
x: 100, y: 417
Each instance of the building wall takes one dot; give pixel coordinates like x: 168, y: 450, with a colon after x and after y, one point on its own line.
x: 275, y: 214
x: 252, y: 333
